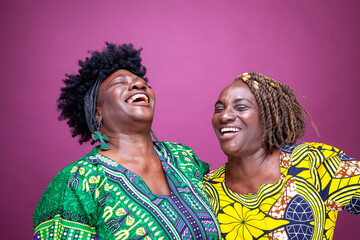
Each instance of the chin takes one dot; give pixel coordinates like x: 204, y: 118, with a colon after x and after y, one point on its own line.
x: 143, y: 116
x: 142, y: 119
x: 229, y: 150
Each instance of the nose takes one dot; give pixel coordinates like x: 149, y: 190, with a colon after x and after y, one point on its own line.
x: 137, y: 84
x: 227, y: 116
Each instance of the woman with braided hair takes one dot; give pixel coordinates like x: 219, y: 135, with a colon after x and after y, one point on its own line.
x: 272, y: 187
x: 128, y: 187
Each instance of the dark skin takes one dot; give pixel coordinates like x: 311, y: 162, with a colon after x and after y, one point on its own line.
x: 125, y: 108
x: 237, y: 124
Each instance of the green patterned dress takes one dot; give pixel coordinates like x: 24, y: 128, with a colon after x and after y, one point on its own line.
x: 97, y: 198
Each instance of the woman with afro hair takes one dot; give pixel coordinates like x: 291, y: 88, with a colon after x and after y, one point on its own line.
x: 272, y: 187
x: 128, y: 187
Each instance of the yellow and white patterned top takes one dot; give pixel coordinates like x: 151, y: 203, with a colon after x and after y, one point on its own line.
x: 317, y: 181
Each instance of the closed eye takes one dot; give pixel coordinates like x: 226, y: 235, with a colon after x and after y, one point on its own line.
x: 241, y: 108
x: 120, y: 80
x: 120, y: 83
x: 219, y: 109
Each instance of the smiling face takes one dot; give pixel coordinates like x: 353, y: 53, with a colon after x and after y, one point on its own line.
x: 237, y: 120
x: 125, y: 103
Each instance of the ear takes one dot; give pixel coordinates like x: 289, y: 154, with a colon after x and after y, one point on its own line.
x: 271, y: 148
x: 98, y: 116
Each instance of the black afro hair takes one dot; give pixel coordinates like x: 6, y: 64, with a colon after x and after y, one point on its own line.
x: 99, y: 65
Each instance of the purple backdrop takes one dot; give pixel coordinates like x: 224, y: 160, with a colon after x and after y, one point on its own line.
x: 192, y: 50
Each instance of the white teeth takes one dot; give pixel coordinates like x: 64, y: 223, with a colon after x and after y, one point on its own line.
x: 136, y: 96
x: 229, y: 129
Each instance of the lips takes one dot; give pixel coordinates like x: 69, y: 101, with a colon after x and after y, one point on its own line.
x: 138, y: 98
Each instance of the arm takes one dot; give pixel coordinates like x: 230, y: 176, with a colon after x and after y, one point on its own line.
x: 64, y: 208
x: 339, y: 178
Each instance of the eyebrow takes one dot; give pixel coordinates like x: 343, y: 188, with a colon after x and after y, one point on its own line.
x: 219, y: 102
x: 124, y: 76
x: 113, y: 79
x: 242, y: 99
x: 120, y: 76
x: 235, y: 101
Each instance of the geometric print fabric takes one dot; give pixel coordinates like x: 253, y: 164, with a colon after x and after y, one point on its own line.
x: 97, y: 198
x: 317, y: 180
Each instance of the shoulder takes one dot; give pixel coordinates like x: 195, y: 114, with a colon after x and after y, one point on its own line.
x: 307, y: 147
x: 327, y: 151
x: 184, y: 156
x: 174, y: 147
x: 64, y: 175
x: 179, y: 150
x: 316, y: 153
x: 216, y: 175
x: 214, y: 187
x: 77, y: 167
x: 53, y: 197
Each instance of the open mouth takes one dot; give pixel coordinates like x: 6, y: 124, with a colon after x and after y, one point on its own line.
x: 229, y: 130
x: 138, y: 98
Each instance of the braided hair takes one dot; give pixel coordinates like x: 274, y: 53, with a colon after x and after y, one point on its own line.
x: 94, y: 69
x: 281, y: 113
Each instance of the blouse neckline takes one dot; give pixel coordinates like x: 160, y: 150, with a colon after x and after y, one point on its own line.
x: 283, y: 170
x: 164, y: 160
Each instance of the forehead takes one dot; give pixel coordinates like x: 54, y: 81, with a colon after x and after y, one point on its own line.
x: 121, y: 72
x: 237, y: 89
x: 118, y: 74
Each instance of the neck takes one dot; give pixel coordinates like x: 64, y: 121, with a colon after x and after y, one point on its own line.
x: 130, y: 147
x: 245, y: 174
x: 247, y: 165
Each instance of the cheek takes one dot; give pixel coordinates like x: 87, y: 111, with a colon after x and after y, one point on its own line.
x: 152, y: 96
x: 213, y: 121
x: 259, y: 126
x: 113, y: 99
x: 151, y: 92
x: 259, y: 122
x: 248, y: 118
x: 252, y: 118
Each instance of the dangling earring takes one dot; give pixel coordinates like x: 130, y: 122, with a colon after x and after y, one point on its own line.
x: 101, y: 138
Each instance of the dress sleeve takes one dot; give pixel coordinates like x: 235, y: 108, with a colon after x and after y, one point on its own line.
x: 202, y: 166
x: 188, y: 163
x: 337, y: 178
x: 188, y: 158
x: 65, y: 209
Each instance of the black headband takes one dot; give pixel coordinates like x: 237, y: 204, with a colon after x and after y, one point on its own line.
x: 90, y: 105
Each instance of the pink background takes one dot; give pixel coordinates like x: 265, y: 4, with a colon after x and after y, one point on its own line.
x: 192, y: 50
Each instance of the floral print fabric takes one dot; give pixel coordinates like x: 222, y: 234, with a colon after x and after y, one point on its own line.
x: 317, y: 181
